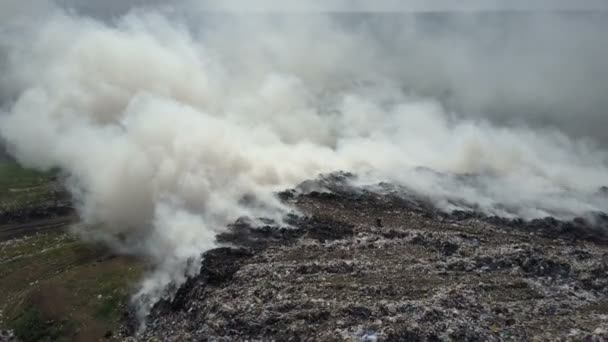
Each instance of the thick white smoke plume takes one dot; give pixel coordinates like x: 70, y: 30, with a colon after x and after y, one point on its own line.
x: 166, y: 120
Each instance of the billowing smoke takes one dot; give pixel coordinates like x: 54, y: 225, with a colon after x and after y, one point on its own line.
x: 172, y: 121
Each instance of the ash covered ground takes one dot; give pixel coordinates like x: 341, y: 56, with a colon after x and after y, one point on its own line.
x: 386, y: 266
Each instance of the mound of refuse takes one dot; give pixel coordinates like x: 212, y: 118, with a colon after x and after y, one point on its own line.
x: 380, y: 265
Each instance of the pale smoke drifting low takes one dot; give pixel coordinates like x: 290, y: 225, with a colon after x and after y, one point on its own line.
x: 166, y: 121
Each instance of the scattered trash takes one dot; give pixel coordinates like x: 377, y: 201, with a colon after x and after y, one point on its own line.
x: 368, y: 336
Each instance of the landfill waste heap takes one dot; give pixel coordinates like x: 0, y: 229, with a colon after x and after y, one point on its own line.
x: 387, y: 266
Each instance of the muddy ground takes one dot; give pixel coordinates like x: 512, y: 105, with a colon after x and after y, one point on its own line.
x: 364, y: 266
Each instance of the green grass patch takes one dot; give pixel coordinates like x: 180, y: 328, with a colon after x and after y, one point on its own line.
x: 32, y: 326
x: 23, y: 188
x: 109, y: 308
x: 12, y: 175
x: 56, y: 287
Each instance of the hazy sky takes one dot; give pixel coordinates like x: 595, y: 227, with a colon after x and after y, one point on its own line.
x: 107, y: 7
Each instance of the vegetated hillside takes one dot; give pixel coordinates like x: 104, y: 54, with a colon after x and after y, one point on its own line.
x: 57, y: 288
x: 368, y: 266
x: 53, y: 286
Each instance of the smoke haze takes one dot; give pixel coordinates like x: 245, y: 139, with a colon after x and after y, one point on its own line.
x: 166, y: 117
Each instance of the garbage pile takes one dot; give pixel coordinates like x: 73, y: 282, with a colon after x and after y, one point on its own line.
x: 360, y: 265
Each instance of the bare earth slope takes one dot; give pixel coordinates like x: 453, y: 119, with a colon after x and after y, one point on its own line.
x: 365, y: 266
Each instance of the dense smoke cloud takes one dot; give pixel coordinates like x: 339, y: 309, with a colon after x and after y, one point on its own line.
x: 166, y: 118
x: 400, y: 5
